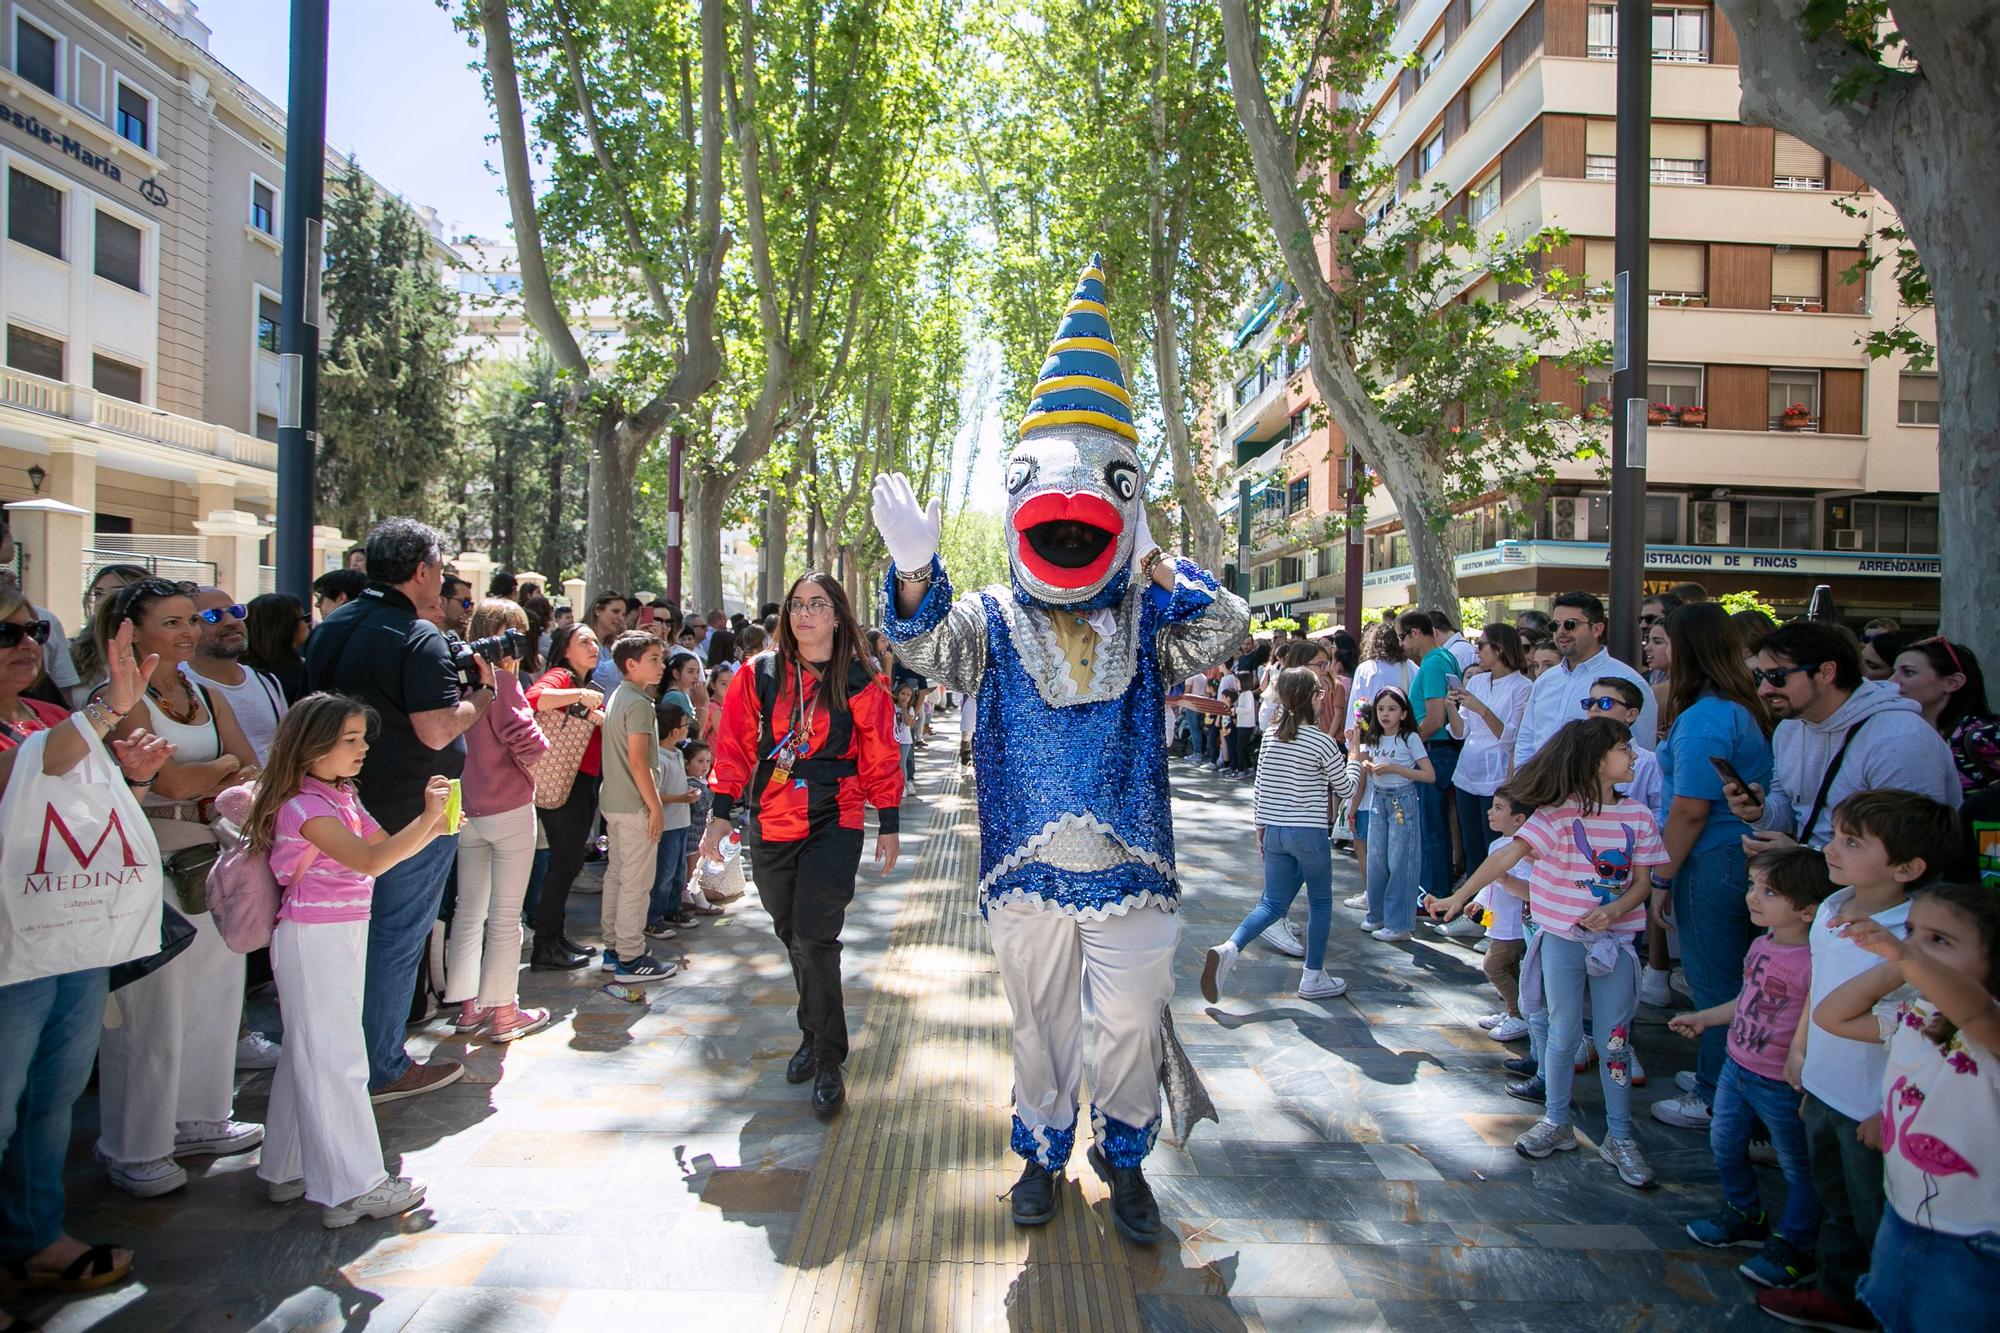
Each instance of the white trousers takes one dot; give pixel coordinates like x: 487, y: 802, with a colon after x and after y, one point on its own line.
x: 1052, y: 965
x: 629, y: 867
x: 172, y: 1058
x: 495, y: 855
x: 321, y: 1125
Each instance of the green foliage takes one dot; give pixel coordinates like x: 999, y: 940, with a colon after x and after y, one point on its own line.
x: 529, y: 463
x: 1747, y: 600
x: 389, y: 374
x: 1471, y: 615
x: 1913, y: 287
x: 974, y: 549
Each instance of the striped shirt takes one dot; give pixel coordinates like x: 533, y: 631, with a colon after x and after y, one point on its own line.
x: 1292, y: 778
x: 1583, y: 862
x: 318, y: 889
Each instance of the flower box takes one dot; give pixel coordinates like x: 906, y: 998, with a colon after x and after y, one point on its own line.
x: 1694, y: 416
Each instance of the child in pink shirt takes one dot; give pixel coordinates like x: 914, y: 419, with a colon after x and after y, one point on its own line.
x: 320, y: 1140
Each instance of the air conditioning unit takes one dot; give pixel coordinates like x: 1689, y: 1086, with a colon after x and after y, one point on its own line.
x: 1847, y: 539
x: 1711, y: 523
x: 1573, y: 518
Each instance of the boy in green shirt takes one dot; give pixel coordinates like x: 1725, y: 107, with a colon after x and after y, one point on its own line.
x: 630, y: 802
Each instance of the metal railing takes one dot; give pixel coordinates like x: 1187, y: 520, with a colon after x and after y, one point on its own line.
x: 1806, y: 304
x: 168, y: 564
x: 1677, y: 298
x: 1797, y: 183
x: 79, y: 403
x: 1679, y: 171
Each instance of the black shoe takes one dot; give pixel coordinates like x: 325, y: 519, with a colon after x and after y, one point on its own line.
x: 1521, y: 1065
x: 1035, y: 1196
x: 551, y: 957
x: 587, y: 950
x: 800, y: 1067
x: 829, y: 1090
x: 1133, y: 1210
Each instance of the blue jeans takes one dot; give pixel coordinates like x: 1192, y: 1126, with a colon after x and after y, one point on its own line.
x: 1567, y: 987
x: 531, y: 902
x: 1919, y: 1280
x: 48, y: 1039
x: 1435, y: 798
x: 1293, y: 856
x: 399, y: 929
x: 1473, y: 834
x: 1395, y: 856
x: 1715, y: 938
x: 669, y: 874
x: 1742, y: 1099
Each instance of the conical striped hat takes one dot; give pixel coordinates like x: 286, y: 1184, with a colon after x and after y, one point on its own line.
x: 1081, y: 383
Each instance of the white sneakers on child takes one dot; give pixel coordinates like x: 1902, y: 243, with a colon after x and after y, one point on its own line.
x: 396, y: 1195
x: 1389, y: 934
x: 1281, y: 936
x: 215, y: 1138
x: 1216, y: 970
x: 1358, y: 903
x: 1509, y: 1028
x: 1653, y: 988
x: 1315, y: 984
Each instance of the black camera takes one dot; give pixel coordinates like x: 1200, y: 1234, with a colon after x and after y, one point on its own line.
x: 495, y: 648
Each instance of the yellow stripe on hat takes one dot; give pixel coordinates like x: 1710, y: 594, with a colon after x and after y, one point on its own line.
x: 1089, y: 307
x: 1083, y: 345
x: 1090, y: 382
x: 1092, y: 272
x: 1101, y: 420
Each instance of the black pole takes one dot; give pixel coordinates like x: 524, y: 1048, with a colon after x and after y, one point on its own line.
x: 1630, y: 311
x: 1243, y: 538
x: 1357, y: 548
x: 298, y: 328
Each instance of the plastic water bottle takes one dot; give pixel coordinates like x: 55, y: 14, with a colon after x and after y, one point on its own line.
x: 604, y: 844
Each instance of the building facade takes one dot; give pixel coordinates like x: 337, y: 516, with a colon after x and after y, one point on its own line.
x: 1779, y: 454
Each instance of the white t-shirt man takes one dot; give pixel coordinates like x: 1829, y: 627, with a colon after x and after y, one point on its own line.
x: 258, y: 703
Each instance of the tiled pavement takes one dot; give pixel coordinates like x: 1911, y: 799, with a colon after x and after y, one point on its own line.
x: 651, y: 1165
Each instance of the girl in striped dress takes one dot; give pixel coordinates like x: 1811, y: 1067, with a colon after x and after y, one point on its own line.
x: 1298, y: 764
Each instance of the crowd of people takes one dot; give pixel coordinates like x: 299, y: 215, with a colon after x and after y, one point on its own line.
x: 1773, y: 821
x: 1777, y: 822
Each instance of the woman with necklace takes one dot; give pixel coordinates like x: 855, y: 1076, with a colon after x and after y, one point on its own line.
x: 807, y: 738
x: 167, y: 1072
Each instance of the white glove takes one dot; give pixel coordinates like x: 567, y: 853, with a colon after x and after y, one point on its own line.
x: 1142, y: 544
x: 909, y: 530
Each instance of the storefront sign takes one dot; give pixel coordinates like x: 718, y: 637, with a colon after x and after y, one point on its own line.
x: 31, y: 125
x: 1678, y: 559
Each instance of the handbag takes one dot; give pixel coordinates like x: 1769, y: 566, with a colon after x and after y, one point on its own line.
x: 187, y: 872
x: 176, y: 934
x: 555, y: 772
x: 80, y: 875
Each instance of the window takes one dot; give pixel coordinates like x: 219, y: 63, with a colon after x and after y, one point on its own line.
x: 1772, y: 524
x: 119, y: 248
x: 1600, y: 150
x: 1663, y: 520
x: 1596, y: 387
x: 34, y: 212
x: 267, y: 427
x: 1797, y: 165
x: 268, y: 317
x: 1485, y: 201
x: 1676, y: 386
x: 1677, y: 275
x: 1484, y: 92
x: 37, y: 54
x: 1680, y: 153
x: 1917, y: 400
x: 263, y: 208
x: 1433, y: 53
x: 1261, y: 578
x: 135, y: 116
x: 1680, y: 34
x: 1298, y: 355
x: 117, y: 379
x: 1601, y: 32
x: 1895, y: 527
x: 1385, y: 114
x: 33, y: 353
x: 1291, y: 569
x: 1246, y: 388
x: 1791, y: 388
x: 1798, y: 279
x: 1600, y: 267
x: 1431, y: 153
x: 1298, y: 499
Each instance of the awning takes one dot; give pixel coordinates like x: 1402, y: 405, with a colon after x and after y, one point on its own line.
x: 1258, y: 320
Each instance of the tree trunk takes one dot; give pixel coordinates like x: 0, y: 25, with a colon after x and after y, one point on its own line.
x: 701, y: 530
x: 614, y: 452
x: 554, y: 552
x: 1413, y: 476
x: 777, y: 538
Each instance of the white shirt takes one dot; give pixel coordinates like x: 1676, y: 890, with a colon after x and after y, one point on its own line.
x: 1246, y: 709
x: 55, y: 653
x: 1373, y: 674
x: 258, y: 703
x: 1461, y: 651
x: 1647, y: 786
x: 1845, y: 1074
x: 1483, y: 763
x: 1558, y: 701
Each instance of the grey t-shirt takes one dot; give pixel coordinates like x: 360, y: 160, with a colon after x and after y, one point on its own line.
x: 626, y: 712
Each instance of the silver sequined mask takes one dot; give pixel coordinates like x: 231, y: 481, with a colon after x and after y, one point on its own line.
x: 1073, y: 497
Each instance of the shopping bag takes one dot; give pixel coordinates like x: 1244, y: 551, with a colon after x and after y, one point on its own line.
x: 80, y: 875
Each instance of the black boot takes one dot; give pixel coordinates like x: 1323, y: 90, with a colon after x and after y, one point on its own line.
x: 551, y: 956
x: 1035, y: 1195
x: 829, y: 1090
x: 582, y: 950
x: 1133, y: 1210
x: 800, y: 1067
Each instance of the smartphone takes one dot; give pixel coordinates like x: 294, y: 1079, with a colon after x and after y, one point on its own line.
x: 454, y: 805
x: 1729, y: 773
x: 645, y: 615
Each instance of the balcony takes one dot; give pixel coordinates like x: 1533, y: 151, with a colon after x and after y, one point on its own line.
x: 85, y: 406
x: 1664, y: 170
x: 1797, y: 183
x: 1799, y: 305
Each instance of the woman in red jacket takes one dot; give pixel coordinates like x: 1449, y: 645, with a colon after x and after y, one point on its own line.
x: 803, y: 757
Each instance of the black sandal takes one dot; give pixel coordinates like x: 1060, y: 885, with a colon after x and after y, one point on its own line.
x: 95, y: 1267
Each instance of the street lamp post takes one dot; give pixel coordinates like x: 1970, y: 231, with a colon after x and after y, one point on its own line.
x: 1633, y: 232
x: 298, y: 327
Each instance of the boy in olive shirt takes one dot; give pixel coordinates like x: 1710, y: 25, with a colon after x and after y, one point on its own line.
x: 630, y: 802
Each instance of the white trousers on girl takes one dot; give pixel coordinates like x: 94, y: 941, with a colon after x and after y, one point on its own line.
x: 495, y: 855
x: 1052, y: 966
x: 321, y: 1125
x: 172, y: 1057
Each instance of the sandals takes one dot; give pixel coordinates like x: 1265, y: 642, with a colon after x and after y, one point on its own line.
x: 95, y: 1267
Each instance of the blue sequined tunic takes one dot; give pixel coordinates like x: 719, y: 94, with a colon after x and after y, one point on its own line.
x: 1073, y: 796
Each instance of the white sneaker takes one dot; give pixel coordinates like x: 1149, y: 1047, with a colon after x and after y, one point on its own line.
x: 215, y: 1138
x: 1684, y: 1112
x: 1686, y: 1080
x: 1281, y: 935
x: 1509, y: 1028
x: 1677, y: 981
x: 1491, y: 1021
x: 1481, y: 944
x: 256, y: 1051
x: 397, y: 1194
x: 147, y: 1180
x: 1462, y: 928
x: 1370, y: 925
x: 1216, y: 971
x: 1358, y: 903
x: 1653, y: 988
x: 284, y: 1191
x: 1317, y: 985
x: 1390, y: 935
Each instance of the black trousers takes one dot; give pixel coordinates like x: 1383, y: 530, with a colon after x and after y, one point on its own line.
x: 806, y: 887
x: 567, y: 827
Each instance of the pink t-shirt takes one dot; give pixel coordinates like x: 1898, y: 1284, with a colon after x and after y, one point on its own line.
x: 1584, y: 861
x: 1777, y: 979
x: 318, y: 889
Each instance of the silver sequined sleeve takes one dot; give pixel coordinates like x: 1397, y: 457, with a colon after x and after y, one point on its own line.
x: 948, y: 648
x: 1205, y: 624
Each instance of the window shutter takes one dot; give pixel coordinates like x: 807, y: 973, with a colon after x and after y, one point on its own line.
x: 1797, y: 273
x: 1677, y: 268
x: 1600, y: 263
x: 1688, y: 143
x: 1485, y: 88
x: 1795, y: 157
x: 1600, y: 138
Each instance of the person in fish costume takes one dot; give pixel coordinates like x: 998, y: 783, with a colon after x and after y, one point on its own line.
x: 1066, y: 669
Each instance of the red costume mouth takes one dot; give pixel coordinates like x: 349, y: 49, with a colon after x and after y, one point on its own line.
x: 1067, y: 541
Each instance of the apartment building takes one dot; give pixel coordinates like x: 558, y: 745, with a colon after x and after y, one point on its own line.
x: 1780, y: 456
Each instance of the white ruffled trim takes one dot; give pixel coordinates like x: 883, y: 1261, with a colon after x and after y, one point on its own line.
x: 1111, y: 672
x: 1169, y: 902
x: 1055, y: 828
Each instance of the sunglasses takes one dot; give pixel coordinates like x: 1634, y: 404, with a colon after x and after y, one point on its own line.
x: 1651, y: 620
x: 1572, y: 624
x: 11, y: 633
x: 149, y: 589
x: 236, y: 611
x: 464, y: 603
x: 1777, y: 676
x: 1596, y: 705
x: 1949, y: 651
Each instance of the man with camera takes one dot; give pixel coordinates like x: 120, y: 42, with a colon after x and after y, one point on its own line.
x: 427, y: 692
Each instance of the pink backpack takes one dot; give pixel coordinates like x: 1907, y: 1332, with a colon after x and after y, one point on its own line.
x: 243, y: 894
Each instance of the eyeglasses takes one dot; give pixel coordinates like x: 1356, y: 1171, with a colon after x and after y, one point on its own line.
x: 817, y: 606
x: 1571, y: 624
x: 1949, y: 651
x: 236, y: 611
x: 1597, y: 704
x: 1777, y: 676
x: 1651, y: 620
x: 11, y: 633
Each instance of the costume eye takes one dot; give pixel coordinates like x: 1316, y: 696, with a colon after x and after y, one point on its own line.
x: 1123, y: 479
x: 1018, y: 473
